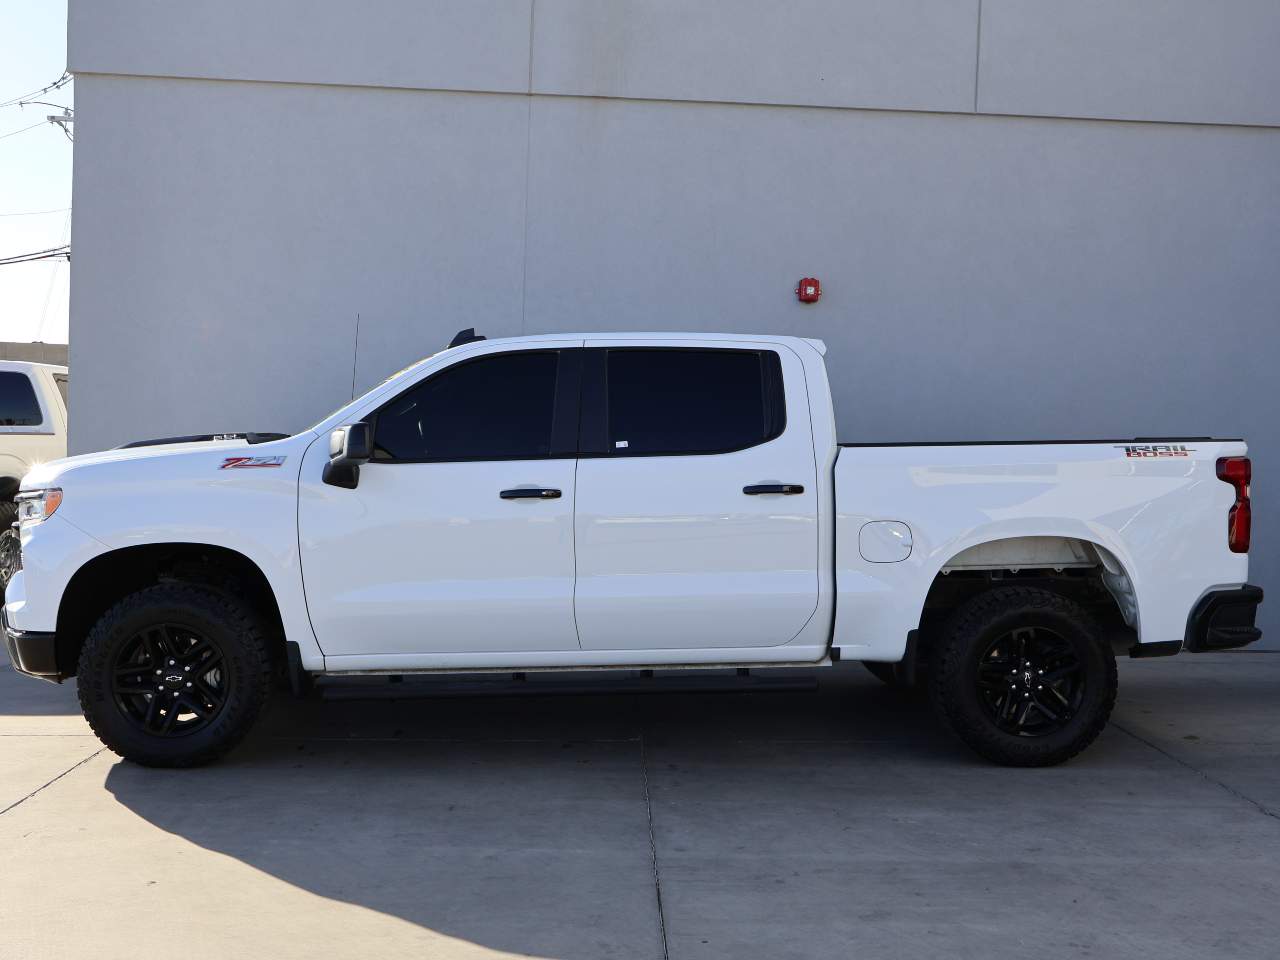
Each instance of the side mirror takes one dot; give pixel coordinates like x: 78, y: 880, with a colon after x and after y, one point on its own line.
x: 349, y: 447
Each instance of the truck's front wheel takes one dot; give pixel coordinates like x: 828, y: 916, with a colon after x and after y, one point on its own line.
x: 174, y: 675
x: 1023, y: 677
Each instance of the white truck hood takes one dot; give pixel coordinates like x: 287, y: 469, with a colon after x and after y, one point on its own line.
x: 51, y: 473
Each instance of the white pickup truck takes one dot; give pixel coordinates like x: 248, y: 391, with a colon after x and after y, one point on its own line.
x: 33, y: 429
x: 621, y: 502
x: 33, y: 424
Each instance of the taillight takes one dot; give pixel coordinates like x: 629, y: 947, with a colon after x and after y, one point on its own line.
x: 1237, y: 471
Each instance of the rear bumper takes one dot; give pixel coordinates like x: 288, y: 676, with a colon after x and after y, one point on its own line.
x: 35, y: 654
x: 1224, y: 620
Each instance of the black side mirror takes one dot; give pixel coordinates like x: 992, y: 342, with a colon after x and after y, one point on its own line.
x: 349, y: 447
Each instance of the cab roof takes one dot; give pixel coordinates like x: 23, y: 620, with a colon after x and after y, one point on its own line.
x: 818, y: 345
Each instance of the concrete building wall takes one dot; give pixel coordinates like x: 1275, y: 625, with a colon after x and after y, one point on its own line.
x: 1031, y: 219
x: 38, y: 352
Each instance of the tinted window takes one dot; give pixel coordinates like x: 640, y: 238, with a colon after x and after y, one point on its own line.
x: 63, y: 386
x: 494, y: 408
x: 692, y: 401
x: 18, y: 405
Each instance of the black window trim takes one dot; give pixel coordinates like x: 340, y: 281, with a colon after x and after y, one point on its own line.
x: 45, y: 427
x: 582, y: 405
x: 593, y: 440
x: 564, y: 418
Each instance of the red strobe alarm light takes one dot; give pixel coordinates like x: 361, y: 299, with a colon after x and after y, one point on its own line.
x: 809, y: 290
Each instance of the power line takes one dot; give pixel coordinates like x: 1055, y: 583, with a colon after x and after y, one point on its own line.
x: 62, y: 254
x: 14, y: 133
x: 53, y: 253
x: 61, y: 82
x: 34, y: 213
x: 53, y: 276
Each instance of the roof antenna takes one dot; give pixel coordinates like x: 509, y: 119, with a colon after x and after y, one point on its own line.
x: 468, y: 335
x: 355, y: 355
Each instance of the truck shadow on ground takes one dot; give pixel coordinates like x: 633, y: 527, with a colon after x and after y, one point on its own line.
x: 773, y: 825
x: 523, y: 824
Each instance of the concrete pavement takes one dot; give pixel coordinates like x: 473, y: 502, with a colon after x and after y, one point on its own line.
x: 838, y: 824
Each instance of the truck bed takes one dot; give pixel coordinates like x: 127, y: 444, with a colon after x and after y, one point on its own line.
x: 1151, y: 510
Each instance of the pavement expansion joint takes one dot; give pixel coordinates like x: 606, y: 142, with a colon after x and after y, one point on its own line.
x: 44, y: 786
x: 1261, y: 808
x: 653, y: 848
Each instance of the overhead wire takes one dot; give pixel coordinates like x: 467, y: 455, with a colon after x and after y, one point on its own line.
x: 62, y: 81
x: 30, y: 99
x: 53, y: 253
x: 34, y: 213
x: 53, y: 276
x: 14, y: 133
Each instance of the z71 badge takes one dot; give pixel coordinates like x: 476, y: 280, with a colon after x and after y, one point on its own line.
x: 242, y: 463
x: 1156, y: 450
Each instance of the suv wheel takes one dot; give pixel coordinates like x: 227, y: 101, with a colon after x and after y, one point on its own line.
x: 1023, y: 677
x: 174, y: 675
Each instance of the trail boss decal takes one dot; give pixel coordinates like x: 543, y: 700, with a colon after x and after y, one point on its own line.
x: 1157, y: 450
x: 242, y: 463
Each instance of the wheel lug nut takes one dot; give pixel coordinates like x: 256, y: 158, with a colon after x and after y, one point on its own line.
x: 158, y: 672
x: 171, y: 663
x: 188, y: 684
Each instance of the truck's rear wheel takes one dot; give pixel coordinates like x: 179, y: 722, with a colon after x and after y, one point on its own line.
x: 174, y: 675
x: 1023, y: 677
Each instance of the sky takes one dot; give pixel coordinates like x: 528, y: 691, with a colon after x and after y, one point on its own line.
x: 35, y: 171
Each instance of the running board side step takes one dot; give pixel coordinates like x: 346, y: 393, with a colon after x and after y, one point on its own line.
x: 419, y: 686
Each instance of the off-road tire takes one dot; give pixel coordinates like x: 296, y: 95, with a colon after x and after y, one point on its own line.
x: 236, y: 630
x: 954, y: 688
x: 8, y: 514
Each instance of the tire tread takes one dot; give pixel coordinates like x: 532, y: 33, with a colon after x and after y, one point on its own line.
x: 970, y: 621
x: 212, y: 603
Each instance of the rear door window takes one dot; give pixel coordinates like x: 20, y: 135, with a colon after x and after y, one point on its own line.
x: 18, y: 404
x: 695, y: 401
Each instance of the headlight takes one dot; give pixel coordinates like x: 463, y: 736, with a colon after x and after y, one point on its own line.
x: 37, y: 505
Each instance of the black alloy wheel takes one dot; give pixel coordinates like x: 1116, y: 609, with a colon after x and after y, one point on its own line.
x: 175, y: 674
x: 1024, y: 676
x: 170, y: 680
x: 1031, y: 681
